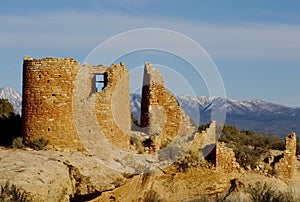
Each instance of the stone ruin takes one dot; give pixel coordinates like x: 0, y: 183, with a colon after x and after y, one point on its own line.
x: 213, y: 151
x: 63, y: 99
x: 161, y: 114
x: 47, y: 101
x: 284, y: 165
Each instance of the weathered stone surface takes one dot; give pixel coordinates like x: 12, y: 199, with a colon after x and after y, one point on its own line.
x: 205, y: 141
x: 161, y: 114
x: 56, y: 91
x: 225, y: 158
x: 59, y: 176
x: 56, y: 176
x: 285, y: 168
x: 47, y: 101
x: 112, y: 107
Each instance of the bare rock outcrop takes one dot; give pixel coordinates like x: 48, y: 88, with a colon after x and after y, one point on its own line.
x: 56, y: 176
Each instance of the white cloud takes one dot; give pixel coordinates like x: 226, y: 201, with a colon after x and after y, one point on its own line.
x: 76, y: 30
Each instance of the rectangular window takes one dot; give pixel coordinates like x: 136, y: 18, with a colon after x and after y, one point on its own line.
x: 99, y: 82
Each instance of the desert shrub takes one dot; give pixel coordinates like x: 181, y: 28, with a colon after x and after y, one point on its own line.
x: 230, y: 130
x: 6, y: 108
x: 266, y: 193
x: 231, y: 134
x: 18, y: 143
x: 275, y: 142
x: 247, y: 156
x: 10, y: 193
x: 248, y: 145
x: 152, y: 196
x: 191, y: 159
x: 39, y: 144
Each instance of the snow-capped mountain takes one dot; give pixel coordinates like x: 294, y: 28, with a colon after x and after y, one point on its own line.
x: 14, y: 97
x: 257, y: 115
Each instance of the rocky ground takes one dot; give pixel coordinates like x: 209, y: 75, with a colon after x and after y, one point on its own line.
x: 73, y: 176
x: 198, y: 184
x: 56, y: 176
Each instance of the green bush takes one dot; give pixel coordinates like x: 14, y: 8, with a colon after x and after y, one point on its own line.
x: 231, y: 134
x: 247, y: 156
x: 276, y: 142
x: 6, y: 108
x: 263, y: 192
x: 18, y: 143
x: 248, y: 145
x: 39, y: 144
x: 10, y: 193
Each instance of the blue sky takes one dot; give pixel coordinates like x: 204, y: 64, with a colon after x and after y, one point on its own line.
x: 254, y: 44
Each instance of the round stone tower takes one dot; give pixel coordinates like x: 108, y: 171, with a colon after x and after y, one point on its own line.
x: 47, y: 101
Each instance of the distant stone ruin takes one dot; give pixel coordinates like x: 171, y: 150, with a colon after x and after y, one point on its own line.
x: 284, y: 167
x: 224, y: 158
x: 213, y: 151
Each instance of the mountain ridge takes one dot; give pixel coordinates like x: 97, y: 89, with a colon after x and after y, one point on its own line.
x: 258, y: 115
x: 254, y: 114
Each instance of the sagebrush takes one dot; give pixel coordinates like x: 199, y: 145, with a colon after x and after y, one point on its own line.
x: 264, y: 192
x: 10, y: 193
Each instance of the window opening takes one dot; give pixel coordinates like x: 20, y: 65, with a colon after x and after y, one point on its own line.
x: 99, y: 82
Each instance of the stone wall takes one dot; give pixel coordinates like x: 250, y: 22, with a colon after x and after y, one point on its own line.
x: 47, y: 101
x: 113, y: 106
x: 153, y: 113
x: 213, y: 151
x: 285, y: 168
x: 225, y: 158
x: 57, y: 93
x: 205, y: 141
x: 161, y: 114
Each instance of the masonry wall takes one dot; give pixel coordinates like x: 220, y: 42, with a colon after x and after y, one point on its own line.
x: 112, y: 106
x: 47, y: 101
x: 161, y: 114
x: 285, y: 168
x: 225, y: 158
x: 205, y: 142
x: 215, y: 152
x: 57, y: 93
